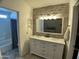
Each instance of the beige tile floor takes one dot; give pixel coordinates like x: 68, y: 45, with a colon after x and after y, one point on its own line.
x: 30, y: 57
x: 14, y: 55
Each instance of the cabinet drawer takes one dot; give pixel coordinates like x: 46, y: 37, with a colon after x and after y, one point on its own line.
x: 52, y: 44
x: 33, y: 41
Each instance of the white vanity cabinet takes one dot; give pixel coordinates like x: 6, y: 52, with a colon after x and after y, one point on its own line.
x: 48, y: 49
x: 55, y: 51
x: 37, y: 47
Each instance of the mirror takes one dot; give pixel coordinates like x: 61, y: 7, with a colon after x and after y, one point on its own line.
x: 50, y: 26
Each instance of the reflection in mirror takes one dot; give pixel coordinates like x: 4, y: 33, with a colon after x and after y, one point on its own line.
x: 53, y: 25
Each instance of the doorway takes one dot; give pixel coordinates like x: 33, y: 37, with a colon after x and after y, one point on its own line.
x: 9, y: 32
x: 14, y: 30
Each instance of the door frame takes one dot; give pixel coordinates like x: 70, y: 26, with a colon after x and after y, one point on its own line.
x: 18, y: 31
x: 76, y: 20
x: 73, y: 31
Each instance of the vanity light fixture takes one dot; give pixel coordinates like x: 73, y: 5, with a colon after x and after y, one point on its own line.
x: 3, y: 16
x: 50, y: 17
x: 54, y: 17
x: 43, y: 17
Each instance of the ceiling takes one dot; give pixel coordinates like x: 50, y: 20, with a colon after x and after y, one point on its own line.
x: 42, y: 3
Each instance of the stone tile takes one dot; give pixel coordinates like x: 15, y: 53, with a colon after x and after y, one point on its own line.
x: 15, y: 55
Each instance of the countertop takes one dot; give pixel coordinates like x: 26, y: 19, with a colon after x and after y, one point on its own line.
x: 49, y: 39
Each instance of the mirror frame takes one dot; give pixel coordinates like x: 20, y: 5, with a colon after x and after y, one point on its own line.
x: 45, y: 33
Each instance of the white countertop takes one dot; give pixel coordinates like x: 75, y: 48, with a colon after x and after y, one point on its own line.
x: 49, y: 39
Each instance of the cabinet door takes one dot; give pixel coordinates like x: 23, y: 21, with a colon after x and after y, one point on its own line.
x: 34, y: 46
x: 51, y: 51
x: 59, y: 52
x: 43, y: 48
x: 38, y: 47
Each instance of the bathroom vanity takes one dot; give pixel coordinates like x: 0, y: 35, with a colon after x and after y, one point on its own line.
x: 47, y: 47
x: 49, y: 26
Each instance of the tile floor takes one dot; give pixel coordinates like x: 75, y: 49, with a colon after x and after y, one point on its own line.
x: 30, y: 57
x: 15, y: 55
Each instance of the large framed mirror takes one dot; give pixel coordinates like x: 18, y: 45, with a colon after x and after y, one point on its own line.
x: 53, y: 26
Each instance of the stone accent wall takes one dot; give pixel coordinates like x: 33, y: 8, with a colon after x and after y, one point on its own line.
x: 62, y: 9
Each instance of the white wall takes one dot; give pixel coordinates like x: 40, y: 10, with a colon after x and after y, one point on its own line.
x: 70, y: 43
x: 25, y: 12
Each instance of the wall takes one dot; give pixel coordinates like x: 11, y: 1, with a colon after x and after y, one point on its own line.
x: 72, y: 22
x: 25, y: 12
x: 62, y: 9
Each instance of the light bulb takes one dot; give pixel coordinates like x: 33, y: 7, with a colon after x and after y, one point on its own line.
x: 54, y: 17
